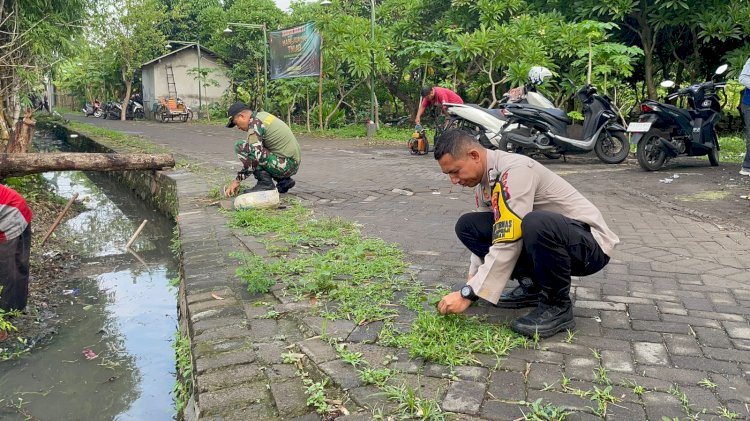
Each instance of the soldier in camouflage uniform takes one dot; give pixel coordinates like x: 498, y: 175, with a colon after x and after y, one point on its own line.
x: 270, y: 152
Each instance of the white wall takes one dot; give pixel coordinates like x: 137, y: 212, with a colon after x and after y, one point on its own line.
x: 155, y: 76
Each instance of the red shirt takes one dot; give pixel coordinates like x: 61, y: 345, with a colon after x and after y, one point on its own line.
x: 15, y: 215
x: 442, y: 95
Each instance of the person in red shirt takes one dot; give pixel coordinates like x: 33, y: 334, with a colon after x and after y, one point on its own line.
x: 15, y: 246
x: 437, y: 97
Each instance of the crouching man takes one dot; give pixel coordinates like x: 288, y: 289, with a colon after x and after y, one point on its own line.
x: 531, y: 225
x: 15, y: 245
x: 270, y: 152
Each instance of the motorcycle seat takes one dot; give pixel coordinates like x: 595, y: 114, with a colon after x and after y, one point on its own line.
x: 677, y: 109
x: 554, y: 112
x: 493, y: 112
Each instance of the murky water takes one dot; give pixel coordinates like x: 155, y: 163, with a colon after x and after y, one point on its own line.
x: 112, y: 358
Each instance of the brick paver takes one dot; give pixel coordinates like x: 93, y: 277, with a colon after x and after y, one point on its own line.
x: 669, y: 313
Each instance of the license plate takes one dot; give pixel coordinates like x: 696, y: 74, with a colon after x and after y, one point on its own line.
x: 639, y: 127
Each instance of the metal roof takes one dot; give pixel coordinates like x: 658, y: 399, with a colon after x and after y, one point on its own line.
x: 203, y: 49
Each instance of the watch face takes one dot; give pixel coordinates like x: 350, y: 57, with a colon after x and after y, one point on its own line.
x: 466, y: 291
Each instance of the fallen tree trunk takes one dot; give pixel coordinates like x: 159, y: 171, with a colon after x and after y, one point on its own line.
x: 17, y: 164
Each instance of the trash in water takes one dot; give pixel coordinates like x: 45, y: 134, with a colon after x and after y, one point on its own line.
x: 666, y: 180
x: 89, y: 354
x: 676, y: 176
x: 74, y: 291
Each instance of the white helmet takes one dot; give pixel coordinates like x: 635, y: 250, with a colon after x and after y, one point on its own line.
x: 537, y: 74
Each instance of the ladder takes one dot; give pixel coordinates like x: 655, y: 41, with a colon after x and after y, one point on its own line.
x: 171, y: 86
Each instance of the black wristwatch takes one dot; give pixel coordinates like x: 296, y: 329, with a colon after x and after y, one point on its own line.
x: 468, y: 292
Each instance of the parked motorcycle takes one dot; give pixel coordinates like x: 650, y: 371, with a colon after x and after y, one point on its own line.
x: 92, y: 109
x: 552, y: 132
x: 488, y: 124
x: 664, y: 131
x: 134, y: 110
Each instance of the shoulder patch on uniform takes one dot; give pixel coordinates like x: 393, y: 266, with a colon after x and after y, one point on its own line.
x: 507, y: 226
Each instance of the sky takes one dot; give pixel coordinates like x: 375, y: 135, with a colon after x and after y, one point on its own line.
x: 282, y: 4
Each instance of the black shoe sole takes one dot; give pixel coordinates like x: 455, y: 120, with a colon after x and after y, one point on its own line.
x: 517, y: 304
x: 570, y: 324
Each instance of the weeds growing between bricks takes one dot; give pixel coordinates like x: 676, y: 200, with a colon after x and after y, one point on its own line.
x: 328, y: 262
x: 361, y: 279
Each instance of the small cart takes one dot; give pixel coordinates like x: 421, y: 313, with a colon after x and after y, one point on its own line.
x: 170, y: 109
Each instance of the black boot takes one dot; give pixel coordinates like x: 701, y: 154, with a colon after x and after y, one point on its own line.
x: 526, y: 294
x: 265, y: 181
x: 284, y: 184
x: 553, y: 314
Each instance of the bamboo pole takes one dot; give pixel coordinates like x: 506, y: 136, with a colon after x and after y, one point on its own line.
x: 60, y: 217
x: 135, y: 235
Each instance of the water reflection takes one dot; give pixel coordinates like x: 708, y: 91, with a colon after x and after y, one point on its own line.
x: 124, y: 314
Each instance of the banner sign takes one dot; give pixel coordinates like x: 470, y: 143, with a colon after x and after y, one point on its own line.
x: 295, y: 52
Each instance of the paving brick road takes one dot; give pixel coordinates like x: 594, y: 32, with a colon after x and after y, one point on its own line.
x: 668, y: 313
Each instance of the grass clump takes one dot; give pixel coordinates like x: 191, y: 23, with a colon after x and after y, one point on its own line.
x: 454, y: 339
x: 410, y: 405
x: 539, y: 411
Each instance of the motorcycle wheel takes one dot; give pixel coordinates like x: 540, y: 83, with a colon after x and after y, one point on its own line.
x: 612, y: 148
x: 139, y: 115
x: 713, y: 156
x: 649, y: 154
x: 97, y: 113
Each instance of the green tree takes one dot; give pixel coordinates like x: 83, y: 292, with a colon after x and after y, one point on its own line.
x: 34, y: 35
x: 203, y: 77
x: 681, y: 28
x: 134, y: 35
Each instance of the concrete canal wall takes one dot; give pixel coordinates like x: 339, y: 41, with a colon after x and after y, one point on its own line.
x: 211, y: 300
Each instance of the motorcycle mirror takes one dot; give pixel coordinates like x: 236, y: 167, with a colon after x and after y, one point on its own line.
x: 721, y: 69
x: 667, y: 84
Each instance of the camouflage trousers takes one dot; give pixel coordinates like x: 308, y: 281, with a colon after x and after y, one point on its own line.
x: 254, y: 156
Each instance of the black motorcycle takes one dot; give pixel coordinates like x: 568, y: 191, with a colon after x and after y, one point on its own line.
x: 664, y: 131
x: 551, y: 131
x: 133, y: 112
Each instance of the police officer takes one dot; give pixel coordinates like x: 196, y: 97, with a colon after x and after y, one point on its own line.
x: 532, y: 225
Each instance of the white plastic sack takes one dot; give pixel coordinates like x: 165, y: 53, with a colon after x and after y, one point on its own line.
x: 257, y: 200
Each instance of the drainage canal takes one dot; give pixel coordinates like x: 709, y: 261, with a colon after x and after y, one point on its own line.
x: 112, y: 357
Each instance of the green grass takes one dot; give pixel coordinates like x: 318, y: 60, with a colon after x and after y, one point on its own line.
x: 108, y: 137
x: 733, y: 148
x: 114, y: 138
x: 539, y: 411
x: 329, y: 259
x: 183, y: 387
x: 455, y: 339
x: 387, y: 135
x: 333, y: 260
x: 5, y: 324
x: 411, y: 405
